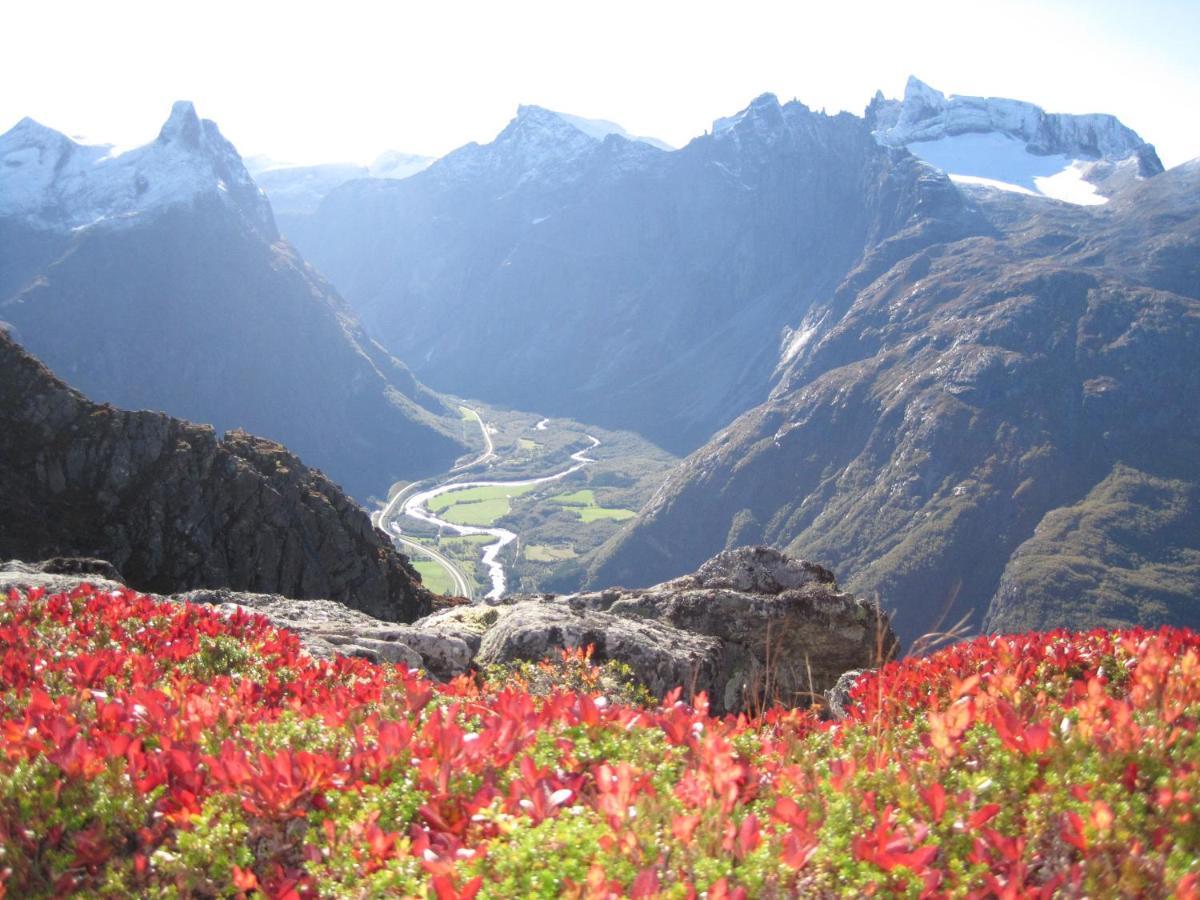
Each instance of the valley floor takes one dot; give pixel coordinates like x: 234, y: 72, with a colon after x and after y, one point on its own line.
x: 540, y: 495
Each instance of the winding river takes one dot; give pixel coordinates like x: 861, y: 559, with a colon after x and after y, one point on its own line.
x: 415, y: 506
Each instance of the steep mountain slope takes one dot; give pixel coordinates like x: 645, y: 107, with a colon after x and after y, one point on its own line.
x: 613, y: 282
x: 1004, y: 425
x: 155, y: 278
x: 174, y: 508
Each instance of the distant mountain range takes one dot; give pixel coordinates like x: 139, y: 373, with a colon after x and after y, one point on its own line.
x: 156, y: 279
x: 298, y: 190
x: 947, y: 348
x: 612, y: 281
x: 933, y: 342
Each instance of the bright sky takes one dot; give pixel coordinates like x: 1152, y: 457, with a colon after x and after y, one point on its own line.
x: 321, y: 81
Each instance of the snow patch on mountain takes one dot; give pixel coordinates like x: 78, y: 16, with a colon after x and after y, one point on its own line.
x: 1002, y: 162
x: 1014, y: 145
x: 52, y: 182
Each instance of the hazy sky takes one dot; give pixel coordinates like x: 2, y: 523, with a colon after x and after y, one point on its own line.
x: 308, y: 81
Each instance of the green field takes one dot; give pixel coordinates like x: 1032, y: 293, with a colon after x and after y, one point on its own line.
x: 593, y: 513
x: 584, y: 503
x: 434, y: 576
x: 478, y: 512
x: 578, y: 498
x: 463, y: 543
x: 549, y: 553
x: 477, y: 505
x: 477, y: 494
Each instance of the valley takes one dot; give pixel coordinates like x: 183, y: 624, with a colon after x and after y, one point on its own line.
x: 539, y: 496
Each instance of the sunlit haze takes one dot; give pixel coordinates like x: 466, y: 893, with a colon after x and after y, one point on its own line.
x: 309, y: 82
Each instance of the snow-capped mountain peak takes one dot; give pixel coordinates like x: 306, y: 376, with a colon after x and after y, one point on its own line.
x: 53, y: 182
x: 1013, y: 145
x: 541, y: 146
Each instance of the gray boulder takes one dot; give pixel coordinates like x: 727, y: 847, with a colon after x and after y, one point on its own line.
x: 751, y: 627
x: 786, y: 630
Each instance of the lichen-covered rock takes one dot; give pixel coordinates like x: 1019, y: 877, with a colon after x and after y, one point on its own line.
x: 662, y: 657
x: 788, y: 632
x: 752, y: 627
x: 18, y: 574
x: 172, y: 508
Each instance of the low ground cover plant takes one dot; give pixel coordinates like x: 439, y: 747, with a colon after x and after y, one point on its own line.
x: 155, y: 749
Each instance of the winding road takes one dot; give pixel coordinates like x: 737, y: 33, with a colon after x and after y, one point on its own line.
x: 462, y: 587
x: 415, y: 507
x: 412, y: 502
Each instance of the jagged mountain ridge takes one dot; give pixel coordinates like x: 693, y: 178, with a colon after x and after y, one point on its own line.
x: 174, y: 508
x: 156, y: 279
x: 995, y: 425
x: 654, y: 286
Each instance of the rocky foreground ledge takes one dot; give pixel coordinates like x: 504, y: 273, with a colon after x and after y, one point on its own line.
x: 751, y: 626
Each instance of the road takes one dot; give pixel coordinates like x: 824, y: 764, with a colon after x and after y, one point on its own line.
x: 411, y: 502
x: 489, y: 451
x: 415, y: 507
x: 385, y: 518
x: 461, y: 587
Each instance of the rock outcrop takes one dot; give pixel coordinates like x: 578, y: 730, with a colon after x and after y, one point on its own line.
x: 751, y: 627
x: 173, y: 508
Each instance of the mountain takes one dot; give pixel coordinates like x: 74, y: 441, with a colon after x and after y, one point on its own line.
x: 1013, y: 145
x: 602, y: 128
x: 298, y: 190
x: 613, y: 282
x: 156, y: 279
x: 1002, y: 425
x: 174, y: 508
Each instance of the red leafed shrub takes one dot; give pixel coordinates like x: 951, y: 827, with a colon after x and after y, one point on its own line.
x: 151, y: 748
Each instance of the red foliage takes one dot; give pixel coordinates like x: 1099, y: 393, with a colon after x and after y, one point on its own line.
x: 108, y: 692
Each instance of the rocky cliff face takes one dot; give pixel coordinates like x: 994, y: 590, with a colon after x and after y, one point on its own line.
x: 1003, y: 426
x: 174, y: 508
